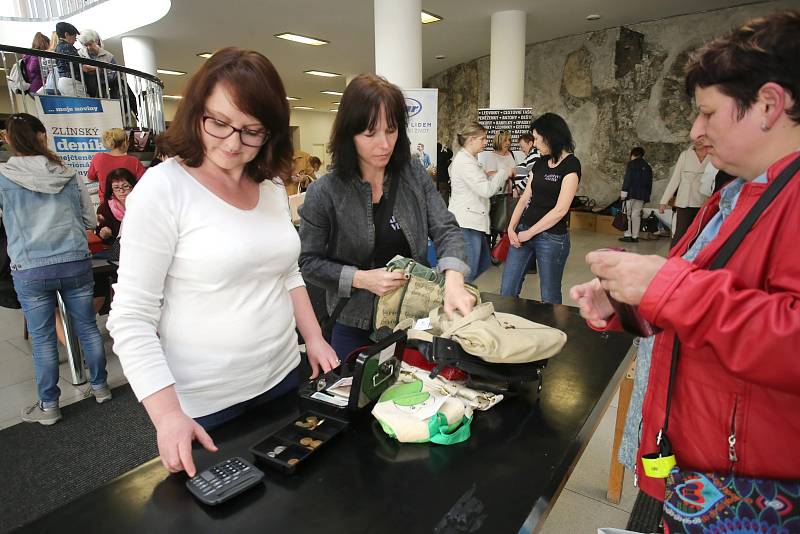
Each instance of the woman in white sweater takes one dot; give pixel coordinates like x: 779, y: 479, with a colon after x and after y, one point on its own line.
x: 209, y: 291
x: 686, y: 179
x: 471, y: 189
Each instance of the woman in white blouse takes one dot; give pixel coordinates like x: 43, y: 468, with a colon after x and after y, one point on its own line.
x: 686, y: 178
x: 471, y: 189
x: 209, y: 291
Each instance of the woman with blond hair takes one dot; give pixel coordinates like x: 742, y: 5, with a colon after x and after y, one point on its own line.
x: 116, y: 141
x: 471, y: 188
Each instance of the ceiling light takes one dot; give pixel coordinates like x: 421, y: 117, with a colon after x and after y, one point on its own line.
x: 439, y: 56
x: 428, y: 18
x: 334, y: 93
x: 322, y: 73
x: 593, y: 16
x: 301, y: 107
x: 171, y: 72
x: 173, y: 97
x: 334, y: 109
x: 205, y: 55
x: 337, y: 103
x: 292, y: 98
x: 313, y: 41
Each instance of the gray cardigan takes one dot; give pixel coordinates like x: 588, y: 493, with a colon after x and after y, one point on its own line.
x: 337, y: 235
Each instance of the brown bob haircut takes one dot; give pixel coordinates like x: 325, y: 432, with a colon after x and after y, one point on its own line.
x: 359, y: 111
x: 762, y: 50
x: 256, y: 89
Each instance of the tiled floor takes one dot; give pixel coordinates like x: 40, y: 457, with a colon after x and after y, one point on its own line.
x: 582, y: 506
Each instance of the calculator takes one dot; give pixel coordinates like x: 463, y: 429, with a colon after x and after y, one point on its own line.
x: 224, y: 480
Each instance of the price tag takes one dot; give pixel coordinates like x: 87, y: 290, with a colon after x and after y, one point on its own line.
x: 423, y: 324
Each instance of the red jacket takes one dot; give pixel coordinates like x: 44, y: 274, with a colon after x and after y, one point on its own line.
x: 739, y: 367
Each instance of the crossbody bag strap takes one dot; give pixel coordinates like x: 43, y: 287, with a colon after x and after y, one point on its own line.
x: 385, y: 210
x: 725, y: 253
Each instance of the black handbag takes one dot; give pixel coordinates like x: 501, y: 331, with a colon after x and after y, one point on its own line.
x: 702, y: 502
x: 620, y: 221
x: 500, y: 211
x: 649, y: 224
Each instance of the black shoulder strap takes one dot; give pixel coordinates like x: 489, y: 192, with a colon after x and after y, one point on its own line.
x: 386, y: 208
x: 725, y: 253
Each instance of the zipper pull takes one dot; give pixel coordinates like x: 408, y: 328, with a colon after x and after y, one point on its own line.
x: 731, y: 448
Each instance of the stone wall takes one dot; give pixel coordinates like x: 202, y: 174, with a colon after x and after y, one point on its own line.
x: 617, y: 88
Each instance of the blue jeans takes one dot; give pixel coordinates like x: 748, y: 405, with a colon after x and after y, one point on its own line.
x: 551, y: 252
x: 345, y: 339
x: 213, y: 420
x: 477, y: 253
x: 38, y: 300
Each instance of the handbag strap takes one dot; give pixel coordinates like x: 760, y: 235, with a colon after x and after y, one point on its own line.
x: 385, y: 210
x: 725, y: 253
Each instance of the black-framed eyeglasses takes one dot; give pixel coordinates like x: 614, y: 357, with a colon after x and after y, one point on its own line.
x: 223, y: 130
x: 121, y: 188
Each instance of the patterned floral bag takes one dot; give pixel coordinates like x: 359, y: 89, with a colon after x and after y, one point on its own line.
x: 698, y: 503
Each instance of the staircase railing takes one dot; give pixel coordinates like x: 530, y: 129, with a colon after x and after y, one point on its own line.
x: 140, y: 94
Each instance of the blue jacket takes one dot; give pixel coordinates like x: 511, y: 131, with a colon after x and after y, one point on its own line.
x: 45, y: 210
x: 638, y: 180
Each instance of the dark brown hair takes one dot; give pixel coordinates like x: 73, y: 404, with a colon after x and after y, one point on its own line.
x: 40, y: 41
x: 762, y: 50
x: 527, y: 137
x: 22, y: 131
x: 117, y: 175
x: 359, y: 110
x: 257, y: 90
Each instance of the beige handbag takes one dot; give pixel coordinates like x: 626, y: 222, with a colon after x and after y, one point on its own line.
x: 493, y: 336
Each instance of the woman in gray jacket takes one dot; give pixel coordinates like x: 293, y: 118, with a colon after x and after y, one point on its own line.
x: 347, y: 231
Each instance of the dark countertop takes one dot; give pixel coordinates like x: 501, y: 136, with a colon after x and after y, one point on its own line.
x: 505, y: 478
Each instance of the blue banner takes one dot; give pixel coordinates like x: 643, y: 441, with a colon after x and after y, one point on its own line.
x: 63, y: 105
x: 78, y: 144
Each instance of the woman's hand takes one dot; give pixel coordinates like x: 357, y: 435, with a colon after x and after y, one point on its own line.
x: 513, y: 238
x: 379, y: 281
x: 592, y: 302
x: 105, y: 233
x: 623, y: 274
x: 175, y: 432
x: 525, y: 235
x: 662, y: 208
x: 321, y: 356
x: 456, y: 296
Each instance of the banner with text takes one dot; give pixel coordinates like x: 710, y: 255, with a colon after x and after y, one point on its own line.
x: 517, y: 121
x: 423, y: 109
x: 75, y: 129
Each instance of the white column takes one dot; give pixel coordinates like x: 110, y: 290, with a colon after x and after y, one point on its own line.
x: 139, y: 54
x: 398, y: 42
x: 507, y: 64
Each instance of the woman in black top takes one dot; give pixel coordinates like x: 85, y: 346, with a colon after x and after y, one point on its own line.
x: 539, y: 222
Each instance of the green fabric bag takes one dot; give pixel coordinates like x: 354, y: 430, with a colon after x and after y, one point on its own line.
x: 410, y: 414
x: 423, y: 292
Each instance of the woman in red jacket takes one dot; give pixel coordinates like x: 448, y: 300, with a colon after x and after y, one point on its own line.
x: 116, y: 141
x: 119, y: 183
x: 737, y: 387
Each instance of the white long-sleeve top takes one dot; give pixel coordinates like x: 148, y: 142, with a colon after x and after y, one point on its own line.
x: 470, y: 190
x: 202, y: 300
x: 685, y: 180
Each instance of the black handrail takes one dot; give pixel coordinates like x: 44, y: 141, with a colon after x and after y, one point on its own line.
x: 82, y: 61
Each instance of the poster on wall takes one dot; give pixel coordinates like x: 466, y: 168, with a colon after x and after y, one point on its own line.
x: 75, y: 129
x: 423, y: 108
x: 516, y: 120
